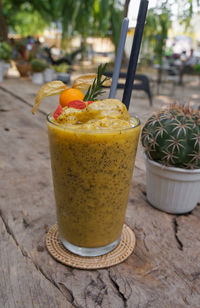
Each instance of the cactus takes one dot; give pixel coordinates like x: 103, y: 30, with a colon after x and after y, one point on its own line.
x: 172, y: 137
x: 38, y: 65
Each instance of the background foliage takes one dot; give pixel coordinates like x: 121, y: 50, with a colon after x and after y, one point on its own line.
x: 91, y: 18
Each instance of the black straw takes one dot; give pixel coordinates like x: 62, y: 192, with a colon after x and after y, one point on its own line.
x: 135, y: 52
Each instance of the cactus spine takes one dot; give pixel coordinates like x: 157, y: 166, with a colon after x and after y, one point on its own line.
x: 172, y: 137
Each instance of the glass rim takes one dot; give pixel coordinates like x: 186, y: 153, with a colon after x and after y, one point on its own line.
x: 105, y: 130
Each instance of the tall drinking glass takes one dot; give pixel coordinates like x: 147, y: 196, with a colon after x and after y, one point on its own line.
x: 92, y: 172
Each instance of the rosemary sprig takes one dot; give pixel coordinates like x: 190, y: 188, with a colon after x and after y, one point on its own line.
x: 96, y: 88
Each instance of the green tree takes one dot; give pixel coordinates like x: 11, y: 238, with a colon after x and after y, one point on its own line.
x: 3, y: 25
x: 84, y: 16
x: 33, y: 15
x: 82, y: 21
x: 156, y: 31
x: 28, y: 21
x: 88, y: 17
x: 159, y: 21
x: 187, y: 8
x: 108, y: 17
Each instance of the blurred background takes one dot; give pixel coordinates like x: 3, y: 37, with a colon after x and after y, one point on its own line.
x: 60, y: 38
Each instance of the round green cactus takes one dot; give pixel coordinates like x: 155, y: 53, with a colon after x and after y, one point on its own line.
x: 172, y: 137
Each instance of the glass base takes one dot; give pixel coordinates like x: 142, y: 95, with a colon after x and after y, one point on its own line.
x: 89, y: 252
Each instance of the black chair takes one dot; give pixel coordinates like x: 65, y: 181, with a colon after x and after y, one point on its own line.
x: 142, y: 85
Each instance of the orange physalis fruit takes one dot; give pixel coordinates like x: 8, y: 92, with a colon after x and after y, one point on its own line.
x: 77, y: 104
x: 70, y: 95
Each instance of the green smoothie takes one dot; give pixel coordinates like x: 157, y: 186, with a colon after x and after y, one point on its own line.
x: 92, y: 156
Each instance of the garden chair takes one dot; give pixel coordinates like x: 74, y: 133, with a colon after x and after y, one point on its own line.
x: 141, y: 83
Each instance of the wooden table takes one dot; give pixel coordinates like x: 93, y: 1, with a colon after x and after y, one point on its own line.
x: 163, y: 271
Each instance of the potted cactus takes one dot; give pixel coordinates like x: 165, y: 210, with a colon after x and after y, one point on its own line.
x: 171, y: 141
x: 38, y: 66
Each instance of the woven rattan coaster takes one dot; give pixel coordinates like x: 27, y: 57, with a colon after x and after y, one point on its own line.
x: 118, y: 255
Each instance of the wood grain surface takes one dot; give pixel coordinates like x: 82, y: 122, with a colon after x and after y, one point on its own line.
x: 163, y: 271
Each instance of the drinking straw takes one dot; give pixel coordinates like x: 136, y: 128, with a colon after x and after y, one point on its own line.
x: 135, y: 52
x: 118, y: 60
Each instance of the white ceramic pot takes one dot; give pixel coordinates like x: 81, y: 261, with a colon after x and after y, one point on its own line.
x: 38, y: 78
x: 173, y: 190
x: 1, y: 71
x: 48, y: 75
x: 6, y: 67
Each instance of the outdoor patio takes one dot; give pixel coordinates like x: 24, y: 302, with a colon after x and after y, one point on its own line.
x: 67, y: 238
x: 163, y: 270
